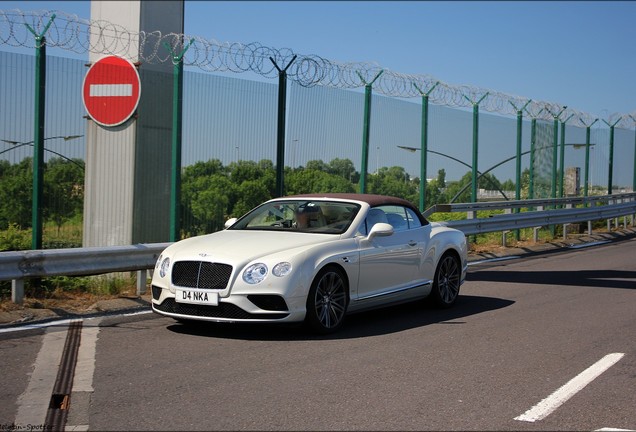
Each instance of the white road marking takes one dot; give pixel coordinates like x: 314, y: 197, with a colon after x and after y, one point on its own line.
x: 65, y: 322
x: 85, y: 366
x: 494, y: 259
x: 576, y: 384
x: 34, y: 403
x: 78, y: 415
x: 97, y: 90
x: 584, y: 245
x: 606, y: 429
x: 36, y: 326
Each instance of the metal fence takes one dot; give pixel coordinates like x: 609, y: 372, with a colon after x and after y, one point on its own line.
x: 230, y: 126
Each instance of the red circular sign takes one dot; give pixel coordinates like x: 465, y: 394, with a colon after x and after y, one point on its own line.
x: 111, y: 90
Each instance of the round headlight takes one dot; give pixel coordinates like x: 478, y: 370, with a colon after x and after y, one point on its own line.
x: 158, y: 261
x: 282, y: 269
x: 165, y: 266
x: 255, y: 273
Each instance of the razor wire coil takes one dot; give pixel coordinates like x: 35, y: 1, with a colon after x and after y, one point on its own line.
x: 69, y: 32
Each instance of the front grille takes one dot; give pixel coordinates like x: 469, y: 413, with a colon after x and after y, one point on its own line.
x: 223, y: 310
x: 201, y: 274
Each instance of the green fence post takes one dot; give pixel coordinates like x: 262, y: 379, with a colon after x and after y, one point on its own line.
x: 587, y: 156
x: 553, y: 180
x: 634, y: 170
x: 533, y: 142
x: 38, y: 135
x: 475, y: 143
x: 365, y: 130
x: 518, y: 161
x: 424, y: 142
x: 280, y: 132
x: 533, y: 139
x: 177, y: 112
x: 562, y: 158
x: 611, y: 155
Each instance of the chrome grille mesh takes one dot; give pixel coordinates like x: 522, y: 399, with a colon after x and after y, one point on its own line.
x: 201, y: 274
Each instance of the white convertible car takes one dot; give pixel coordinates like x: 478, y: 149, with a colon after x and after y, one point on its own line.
x: 312, y: 258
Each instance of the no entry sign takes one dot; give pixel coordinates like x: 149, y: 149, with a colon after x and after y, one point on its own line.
x: 111, y: 90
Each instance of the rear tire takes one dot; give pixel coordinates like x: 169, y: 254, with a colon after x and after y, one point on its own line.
x: 327, y: 301
x: 447, y: 281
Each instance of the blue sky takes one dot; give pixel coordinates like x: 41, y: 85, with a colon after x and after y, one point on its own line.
x: 576, y: 53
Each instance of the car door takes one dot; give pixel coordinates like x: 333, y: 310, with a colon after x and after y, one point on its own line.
x: 388, y: 264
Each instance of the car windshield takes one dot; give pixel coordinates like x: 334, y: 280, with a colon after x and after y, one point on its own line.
x: 324, y: 217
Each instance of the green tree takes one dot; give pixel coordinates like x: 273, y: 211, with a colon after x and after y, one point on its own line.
x: 441, y: 178
x: 317, y: 165
x: 206, y: 201
x: 314, y: 181
x: 63, y: 190
x: 201, y: 169
x: 250, y: 194
x: 16, y: 184
x: 508, y: 185
x: 344, y: 168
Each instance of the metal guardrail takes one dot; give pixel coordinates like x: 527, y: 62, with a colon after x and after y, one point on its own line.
x: 531, y: 203
x: 508, y: 222
x: 20, y: 265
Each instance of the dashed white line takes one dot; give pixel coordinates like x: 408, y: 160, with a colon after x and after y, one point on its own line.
x: 576, y: 384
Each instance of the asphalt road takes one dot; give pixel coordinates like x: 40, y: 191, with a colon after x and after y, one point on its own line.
x: 516, y: 353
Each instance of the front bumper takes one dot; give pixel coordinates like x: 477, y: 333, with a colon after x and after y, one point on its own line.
x: 235, y: 308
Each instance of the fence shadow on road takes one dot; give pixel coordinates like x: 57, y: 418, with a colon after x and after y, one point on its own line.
x: 372, y: 323
x: 582, y: 278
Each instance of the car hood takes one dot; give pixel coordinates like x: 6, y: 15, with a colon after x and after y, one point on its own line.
x: 233, y: 245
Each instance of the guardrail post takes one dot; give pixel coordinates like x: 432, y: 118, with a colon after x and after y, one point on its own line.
x: 142, y: 275
x: 17, y: 291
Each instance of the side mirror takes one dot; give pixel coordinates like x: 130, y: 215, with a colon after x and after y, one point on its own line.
x: 230, y: 222
x: 380, y: 230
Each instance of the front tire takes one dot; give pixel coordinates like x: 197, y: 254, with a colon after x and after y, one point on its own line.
x: 447, y: 281
x: 327, y: 301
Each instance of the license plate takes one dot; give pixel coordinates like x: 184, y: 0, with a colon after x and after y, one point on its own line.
x: 197, y: 297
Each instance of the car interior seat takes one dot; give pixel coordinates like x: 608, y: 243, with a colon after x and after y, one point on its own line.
x: 397, y: 221
x: 375, y: 216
